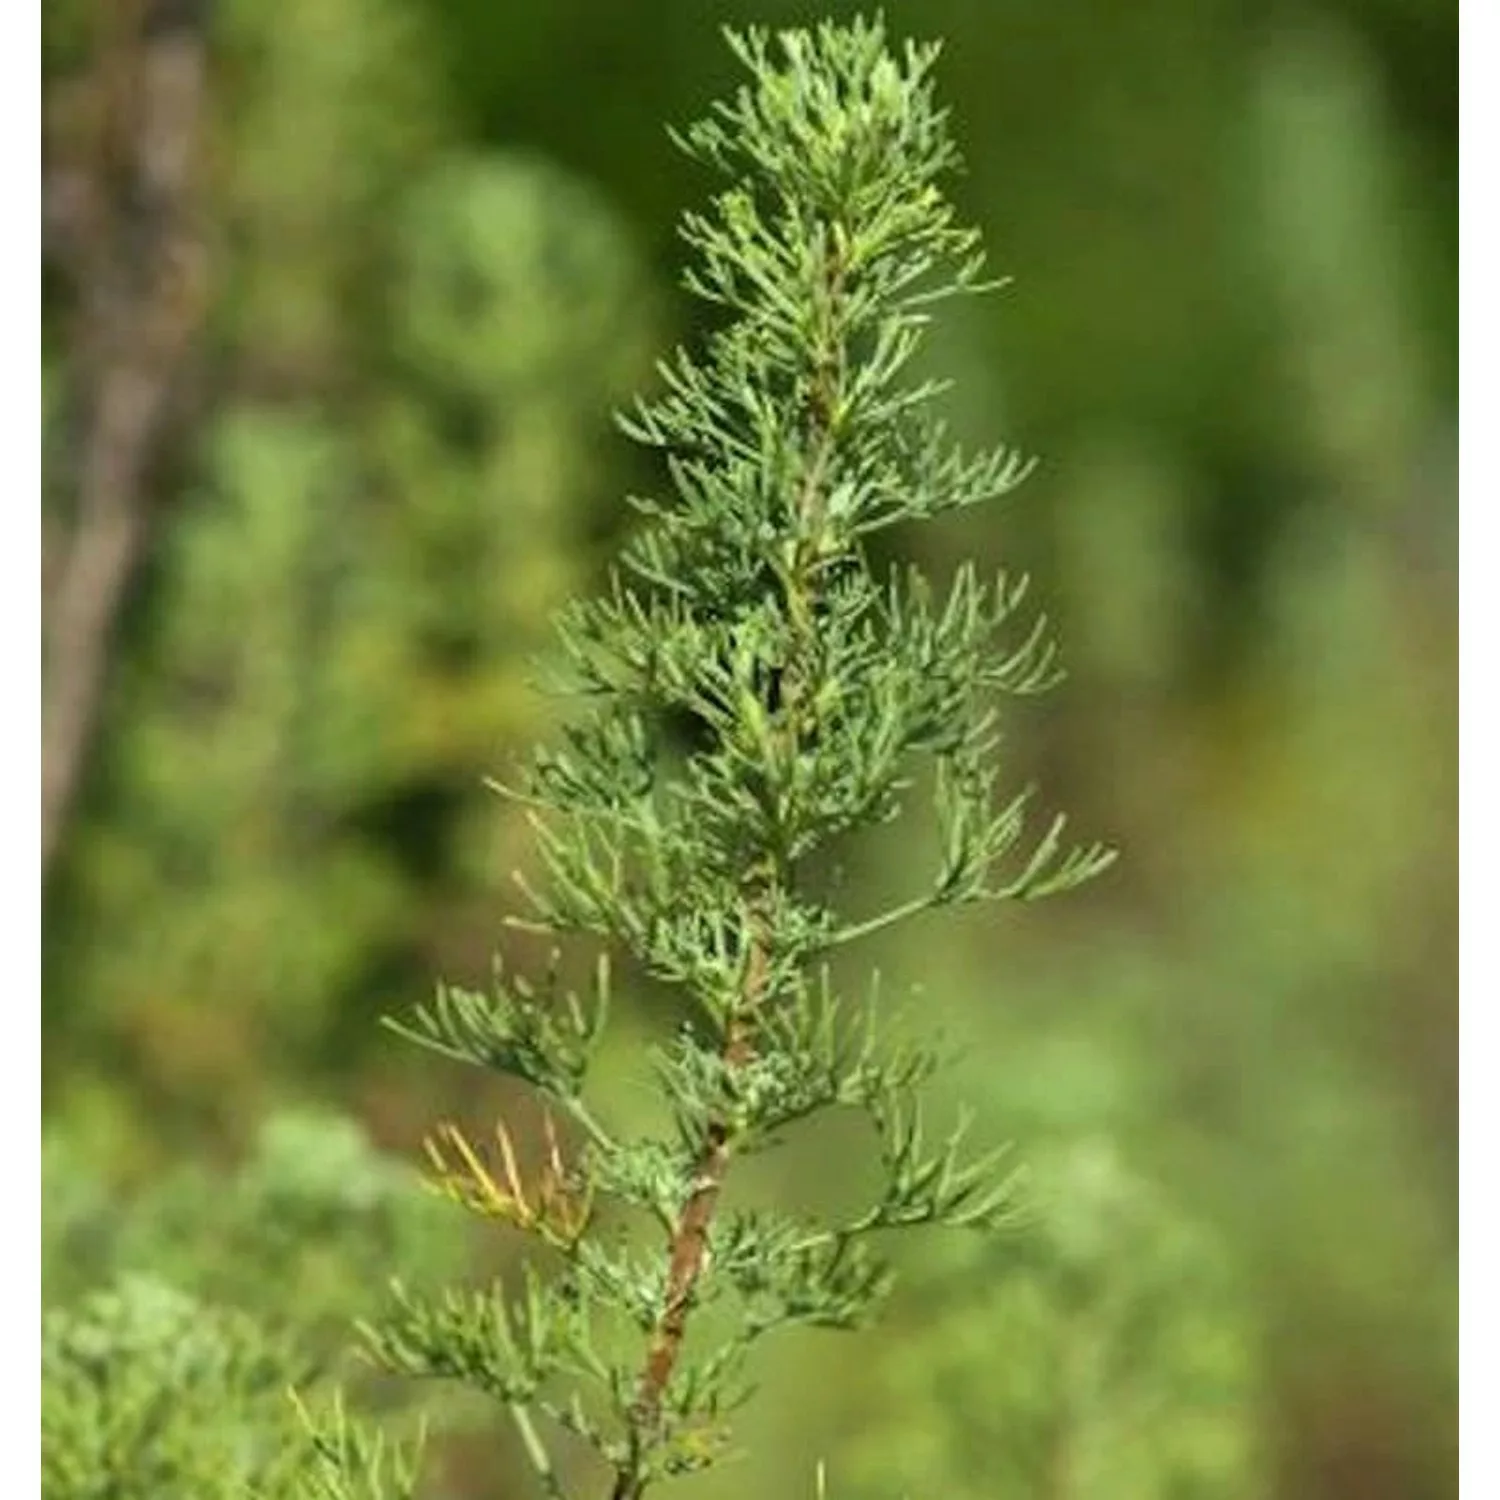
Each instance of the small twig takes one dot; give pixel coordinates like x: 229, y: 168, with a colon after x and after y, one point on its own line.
x: 857, y: 930
x: 536, y: 1451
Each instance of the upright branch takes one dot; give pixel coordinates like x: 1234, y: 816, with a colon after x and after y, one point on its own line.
x: 752, y: 693
x: 121, y: 222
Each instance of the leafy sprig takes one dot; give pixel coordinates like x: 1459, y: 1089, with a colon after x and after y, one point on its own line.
x: 749, y: 692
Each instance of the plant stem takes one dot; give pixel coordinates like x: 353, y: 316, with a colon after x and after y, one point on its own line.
x: 689, y: 1241
x: 687, y: 1246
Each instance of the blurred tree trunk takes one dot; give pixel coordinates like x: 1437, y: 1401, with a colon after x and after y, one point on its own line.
x: 120, y: 224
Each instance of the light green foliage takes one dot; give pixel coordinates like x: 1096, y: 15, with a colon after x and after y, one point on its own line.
x: 754, y: 692
x: 148, y: 1394
x: 151, y: 1394
x: 520, y: 317
x: 237, y: 763
x: 296, y: 1233
x: 342, y: 1459
x: 515, y: 284
x: 179, y: 1319
x: 326, y: 112
x: 1108, y: 1354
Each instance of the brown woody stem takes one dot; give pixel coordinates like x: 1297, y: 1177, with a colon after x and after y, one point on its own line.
x: 686, y: 1250
x: 689, y: 1241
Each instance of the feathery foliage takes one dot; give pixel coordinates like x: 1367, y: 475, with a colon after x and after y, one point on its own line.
x: 753, y: 692
x: 149, y: 1393
x: 177, y: 1320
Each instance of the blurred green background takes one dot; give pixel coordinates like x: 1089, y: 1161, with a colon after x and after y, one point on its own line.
x: 440, y: 247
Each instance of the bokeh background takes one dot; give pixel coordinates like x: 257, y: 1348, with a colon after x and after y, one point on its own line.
x: 327, y: 436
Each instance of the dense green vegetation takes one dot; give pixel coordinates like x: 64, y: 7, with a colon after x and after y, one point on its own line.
x: 441, y: 250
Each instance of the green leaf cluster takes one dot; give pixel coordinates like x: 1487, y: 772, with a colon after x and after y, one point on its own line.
x: 149, y: 1393
x: 179, y: 1319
